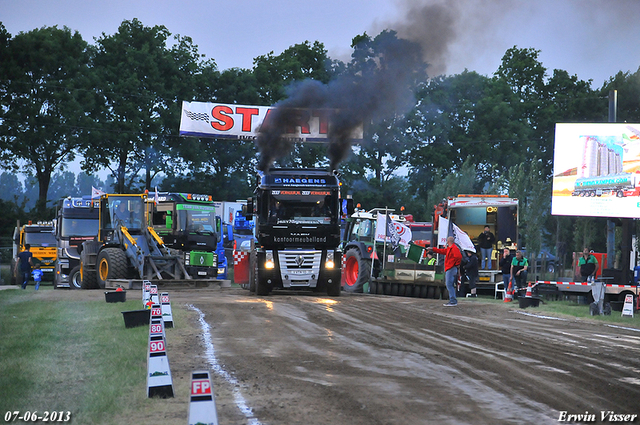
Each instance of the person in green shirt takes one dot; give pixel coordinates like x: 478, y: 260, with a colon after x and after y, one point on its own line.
x: 588, y: 264
x: 519, y: 266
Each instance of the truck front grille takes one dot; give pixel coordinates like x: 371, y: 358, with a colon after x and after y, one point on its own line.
x: 299, y: 268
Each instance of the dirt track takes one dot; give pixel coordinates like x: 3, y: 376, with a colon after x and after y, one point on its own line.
x: 371, y: 359
x: 362, y: 359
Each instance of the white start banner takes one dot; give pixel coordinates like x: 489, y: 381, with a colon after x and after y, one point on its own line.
x: 243, y: 122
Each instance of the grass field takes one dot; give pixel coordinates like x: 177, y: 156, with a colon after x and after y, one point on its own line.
x: 74, y: 356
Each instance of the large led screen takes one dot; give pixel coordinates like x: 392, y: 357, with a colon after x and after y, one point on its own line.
x: 596, y: 170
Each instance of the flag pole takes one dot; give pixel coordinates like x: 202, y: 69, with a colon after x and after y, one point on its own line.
x: 386, y: 235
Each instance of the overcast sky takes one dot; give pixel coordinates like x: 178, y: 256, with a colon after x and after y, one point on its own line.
x: 593, y: 39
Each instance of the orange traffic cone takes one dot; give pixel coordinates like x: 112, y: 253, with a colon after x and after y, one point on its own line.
x: 528, y: 293
x: 508, y: 296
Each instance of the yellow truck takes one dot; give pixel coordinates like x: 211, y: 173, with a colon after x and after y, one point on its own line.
x: 42, y: 240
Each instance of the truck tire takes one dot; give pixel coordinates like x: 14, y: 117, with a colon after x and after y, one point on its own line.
x: 253, y: 271
x: 112, y: 264
x: 75, y: 279
x: 357, y: 271
x: 262, y: 287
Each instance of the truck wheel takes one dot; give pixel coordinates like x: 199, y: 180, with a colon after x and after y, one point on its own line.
x: 262, y: 287
x: 112, y: 264
x: 253, y: 272
x: 75, y: 280
x: 357, y: 271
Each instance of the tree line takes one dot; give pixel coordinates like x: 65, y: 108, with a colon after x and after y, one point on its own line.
x: 117, y: 103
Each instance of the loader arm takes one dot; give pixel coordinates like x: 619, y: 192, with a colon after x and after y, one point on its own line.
x: 133, y: 251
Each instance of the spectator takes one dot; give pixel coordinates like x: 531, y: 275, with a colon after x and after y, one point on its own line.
x: 486, y: 240
x: 471, y: 269
x: 588, y: 264
x: 505, y: 266
x: 37, y: 276
x: 25, y: 260
x: 519, y: 266
x: 431, y: 261
x: 452, y: 259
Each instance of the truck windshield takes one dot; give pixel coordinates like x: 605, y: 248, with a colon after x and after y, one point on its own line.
x: 44, y: 239
x: 198, y: 219
x: 296, y: 206
x: 79, y: 227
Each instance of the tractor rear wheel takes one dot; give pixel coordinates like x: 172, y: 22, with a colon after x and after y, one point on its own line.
x: 357, y: 271
x: 112, y: 264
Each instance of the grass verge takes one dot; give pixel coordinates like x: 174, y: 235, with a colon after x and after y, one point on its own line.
x: 70, y: 355
x: 571, y: 310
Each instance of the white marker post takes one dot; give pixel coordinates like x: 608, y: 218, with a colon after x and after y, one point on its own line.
x: 627, y: 309
x: 146, y: 293
x: 202, y: 403
x: 167, y: 315
x: 159, y: 382
x: 154, y: 294
x: 156, y: 327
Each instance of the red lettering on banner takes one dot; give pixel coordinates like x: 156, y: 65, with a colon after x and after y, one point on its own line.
x: 247, y: 113
x: 266, y: 122
x: 218, y: 113
x: 303, y: 121
x: 200, y: 387
x: 323, y: 118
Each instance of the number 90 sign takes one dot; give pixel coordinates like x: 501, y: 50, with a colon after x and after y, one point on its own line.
x: 156, y: 346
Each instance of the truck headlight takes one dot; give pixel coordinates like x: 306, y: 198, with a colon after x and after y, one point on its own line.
x: 269, y: 263
x: 186, y: 258
x: 329, y: 261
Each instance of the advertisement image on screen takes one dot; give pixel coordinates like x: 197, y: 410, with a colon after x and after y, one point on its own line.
x: 596, y: 170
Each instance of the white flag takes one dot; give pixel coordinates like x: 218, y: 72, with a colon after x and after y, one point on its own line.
x: 382, y: 233
x: 96, y: 193
x: 463, y: 239
x: 381, y: 228
x: 443, y: 231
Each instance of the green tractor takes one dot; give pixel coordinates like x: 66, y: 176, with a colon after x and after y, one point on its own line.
x: 376, y: 267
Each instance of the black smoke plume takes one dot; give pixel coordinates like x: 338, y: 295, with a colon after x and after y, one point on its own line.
x: 374, y: 88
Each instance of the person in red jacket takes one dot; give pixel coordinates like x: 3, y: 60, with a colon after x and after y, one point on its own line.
x: 452, y: 259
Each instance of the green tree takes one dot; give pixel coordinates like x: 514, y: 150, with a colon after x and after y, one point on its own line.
x: 628, y: 86
x: 379, y: 86
x: 63, y: 184
x: 45, y: 101
x: 297, y: 63
x: 141, y: 81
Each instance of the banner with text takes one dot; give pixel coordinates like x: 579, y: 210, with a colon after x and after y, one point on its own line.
x: 243, y: 122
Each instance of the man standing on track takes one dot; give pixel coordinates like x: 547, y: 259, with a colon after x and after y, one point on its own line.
x: 452, y: 259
